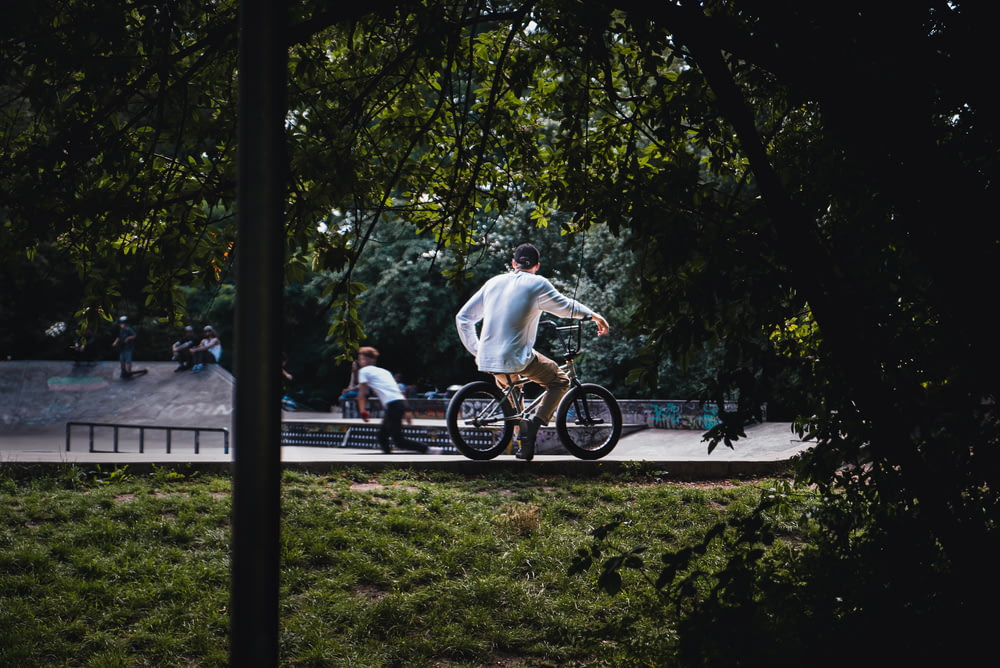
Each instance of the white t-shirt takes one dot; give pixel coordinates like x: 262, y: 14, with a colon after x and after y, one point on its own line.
x: 382, y: 382
x: 214, y: 346
x: 510, y: 306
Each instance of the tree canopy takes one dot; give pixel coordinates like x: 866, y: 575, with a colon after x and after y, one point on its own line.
x: 801, y: 184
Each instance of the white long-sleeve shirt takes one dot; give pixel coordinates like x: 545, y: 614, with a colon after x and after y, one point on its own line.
x: 510, y: 306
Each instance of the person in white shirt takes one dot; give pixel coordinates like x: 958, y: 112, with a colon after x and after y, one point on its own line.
x: 209, y: 350
x: 386, y: 388
x: 510, y: 306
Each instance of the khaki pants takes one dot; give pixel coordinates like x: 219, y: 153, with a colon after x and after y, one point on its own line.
x: 546, y: 373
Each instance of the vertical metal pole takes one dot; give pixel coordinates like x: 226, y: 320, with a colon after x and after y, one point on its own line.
x: 259, y: 258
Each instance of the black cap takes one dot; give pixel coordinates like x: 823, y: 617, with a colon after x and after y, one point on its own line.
x: 526, y: 256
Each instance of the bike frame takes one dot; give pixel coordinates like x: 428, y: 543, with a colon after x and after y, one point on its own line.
x: 513, y: 393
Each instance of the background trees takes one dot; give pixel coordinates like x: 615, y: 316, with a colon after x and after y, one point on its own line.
x: 801, y: 189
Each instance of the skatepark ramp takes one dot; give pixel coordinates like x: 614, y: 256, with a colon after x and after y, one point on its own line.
x: 40, y: 397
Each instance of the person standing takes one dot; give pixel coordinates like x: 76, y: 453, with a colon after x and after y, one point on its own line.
x: 393, y: 403
x: 125, y: 344
x: 509, y: 306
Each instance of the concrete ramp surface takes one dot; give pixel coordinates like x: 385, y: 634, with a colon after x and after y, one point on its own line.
x: 39, y: 397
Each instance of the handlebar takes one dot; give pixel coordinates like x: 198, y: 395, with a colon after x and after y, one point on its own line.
x: 563, y: 328
x: 570, y: 350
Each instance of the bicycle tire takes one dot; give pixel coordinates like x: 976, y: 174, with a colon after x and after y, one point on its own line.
x: 589, y: 421
x: 479, y: 421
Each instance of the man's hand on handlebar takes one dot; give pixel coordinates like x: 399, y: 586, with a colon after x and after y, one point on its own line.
x: 602, y: 324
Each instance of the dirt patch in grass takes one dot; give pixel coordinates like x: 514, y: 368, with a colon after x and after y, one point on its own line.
x: 365, y: 486
x: 373, y: 485
x: 501, y: 492
x: 370, y: 592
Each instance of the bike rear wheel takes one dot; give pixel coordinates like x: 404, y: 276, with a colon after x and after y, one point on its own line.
x: 589, y: 421
x: 480, y: 420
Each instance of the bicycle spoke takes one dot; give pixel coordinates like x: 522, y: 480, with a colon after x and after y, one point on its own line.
x: 589, y: 422
x: 478, y: 421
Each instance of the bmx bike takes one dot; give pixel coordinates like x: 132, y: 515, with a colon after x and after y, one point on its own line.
x: 482, y: 418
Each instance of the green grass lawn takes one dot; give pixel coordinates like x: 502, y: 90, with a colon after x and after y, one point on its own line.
x: 395, y: 568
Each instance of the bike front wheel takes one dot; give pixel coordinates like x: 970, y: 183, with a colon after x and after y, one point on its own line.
x: 480, y: 420
x: 589, y: 421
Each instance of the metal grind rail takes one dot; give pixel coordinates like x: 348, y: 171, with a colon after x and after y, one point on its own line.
x: 143, y: 428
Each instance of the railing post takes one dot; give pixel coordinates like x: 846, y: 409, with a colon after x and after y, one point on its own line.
x: 92, y: 426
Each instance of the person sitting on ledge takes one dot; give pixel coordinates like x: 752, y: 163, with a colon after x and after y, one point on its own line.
x: 181, y: 350
x: 208, y: 351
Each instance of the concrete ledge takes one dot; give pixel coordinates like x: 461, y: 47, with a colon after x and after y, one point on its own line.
x: 541, y: 466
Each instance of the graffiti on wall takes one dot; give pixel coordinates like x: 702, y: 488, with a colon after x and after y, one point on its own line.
x: 666, y: 414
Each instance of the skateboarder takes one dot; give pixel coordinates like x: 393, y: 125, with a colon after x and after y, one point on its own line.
x: 125, y: 343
